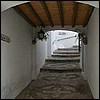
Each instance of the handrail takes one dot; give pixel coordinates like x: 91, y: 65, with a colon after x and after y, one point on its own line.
x: 66, y: 38
x: 53, y: 41
x: 63, y: 39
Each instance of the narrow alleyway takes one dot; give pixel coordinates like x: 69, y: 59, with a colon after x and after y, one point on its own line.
x: 59, y: 78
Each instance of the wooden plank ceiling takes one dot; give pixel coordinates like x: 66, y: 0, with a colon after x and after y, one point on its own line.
x: 55, y: 13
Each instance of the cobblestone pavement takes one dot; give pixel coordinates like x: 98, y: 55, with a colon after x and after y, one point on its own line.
x: 58, y: 83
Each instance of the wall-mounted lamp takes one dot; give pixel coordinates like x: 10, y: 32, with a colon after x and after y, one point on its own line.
x: 84, y: 38
x: 41, y: 34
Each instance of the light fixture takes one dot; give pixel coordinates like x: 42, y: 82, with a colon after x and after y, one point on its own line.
x: 41, y: 34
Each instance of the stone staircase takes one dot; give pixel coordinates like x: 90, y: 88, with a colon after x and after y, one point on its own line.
x: 63, y: 59
x: 64, y: 55
x: 59, y: 78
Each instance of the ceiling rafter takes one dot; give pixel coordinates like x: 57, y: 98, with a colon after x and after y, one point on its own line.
x: 60, y: 13
x: 29, y: 6
x: 77, y: 13
x: 74, y: 13
x: 24, y: 16
x: 47, y: 12
x: 89, y: 13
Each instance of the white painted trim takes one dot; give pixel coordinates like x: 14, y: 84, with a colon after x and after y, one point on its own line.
x: 8, y: 4
x: 92, y: 3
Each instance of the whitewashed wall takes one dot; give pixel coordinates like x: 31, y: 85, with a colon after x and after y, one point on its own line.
x: 34, y: 75
x: 91, y: 59
x: 53, y: 46
x: 16, y: 56
x: 49, y: 44
x: 39, y: 54
x: 65, y: 43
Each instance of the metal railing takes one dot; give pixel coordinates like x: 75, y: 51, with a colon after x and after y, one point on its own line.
x: 79, y: 39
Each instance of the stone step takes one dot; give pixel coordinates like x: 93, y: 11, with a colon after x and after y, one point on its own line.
x: 62, y: 67
x: 61, y: 70
x: 75, y: 46
x: 62, y: 59
x: 65, y: 52
x: 65, y: 55
x: 76, y: 49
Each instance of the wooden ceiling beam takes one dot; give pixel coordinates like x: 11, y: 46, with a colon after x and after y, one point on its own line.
x: 60, y: 13
x: 29, y: 6
x: 47, y: 12
x: 24, y: 16
x: 89, y: 13
x: 74, y: 14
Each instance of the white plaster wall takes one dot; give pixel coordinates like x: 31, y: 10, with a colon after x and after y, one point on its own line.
x: 16, y: 56
x: 33, y: 62
x: 92, y: 54
x: 34, y: 75
x: 66, y: 43
x: 34, y: 56
x: 53, y: 46
x: 41, y: 54
x: 49, y: 44
x: 92, y: 3
x: 8, y: 4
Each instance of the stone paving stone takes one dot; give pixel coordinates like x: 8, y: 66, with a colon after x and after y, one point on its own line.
x: 58, y: 84
x: 52, y: 85
x: 65, y: 55
x: 61, y: 67
x: 76, y: 49
x: 66, y: 52
x: 62, y: 60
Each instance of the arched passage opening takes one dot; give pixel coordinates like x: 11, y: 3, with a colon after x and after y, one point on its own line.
x: 61, y: 39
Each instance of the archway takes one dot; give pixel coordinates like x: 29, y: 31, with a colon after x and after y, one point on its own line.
x: 61, y: 39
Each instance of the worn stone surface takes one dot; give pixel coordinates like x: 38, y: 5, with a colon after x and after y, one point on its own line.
x: 68, y: 49
x: 65, y: 67
x: 55, y: 85
x: 62, y: 60
x: 66, y: 52
x: 56, y: 82
x: 65, y: 55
